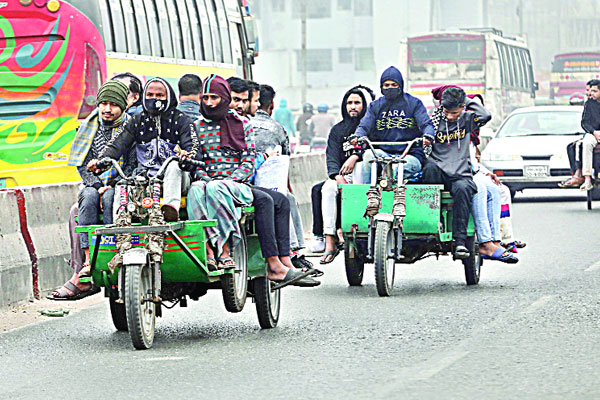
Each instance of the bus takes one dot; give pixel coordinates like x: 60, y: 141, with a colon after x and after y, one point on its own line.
x: 481, y: 61
x: 55, y: 54
x: 570, y: 72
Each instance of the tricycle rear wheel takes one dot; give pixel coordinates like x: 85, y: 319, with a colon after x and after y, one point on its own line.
x: 235, y: 286
x: 385, y: 264
x: 268, y: 302
x: 473, y: 263
x: 118, y: 313
x: 355, y: 267
x: 141, y: 313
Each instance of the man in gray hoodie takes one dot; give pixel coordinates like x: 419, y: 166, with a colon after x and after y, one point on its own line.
x: 450, y: 162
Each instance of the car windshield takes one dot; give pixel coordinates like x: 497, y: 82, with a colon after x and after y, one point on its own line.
x: 542, y: 123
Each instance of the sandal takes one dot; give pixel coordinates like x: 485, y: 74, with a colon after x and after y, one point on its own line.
x: 296, y: 278
x: 501, y: 255
x: 85, y: 274
x: 461, y: 252
x: 587, y: 186
x: 211, y: 263
x: 78, y: 294
x: 333, y: 253
x: 226, y: 263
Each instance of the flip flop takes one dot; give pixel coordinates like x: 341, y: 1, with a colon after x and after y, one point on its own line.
x: 296, y: 278
x: 223, y: 260
x: 78, y: 294
x: 340, y: 245
x: 501, y: 255
x: 332, y: 253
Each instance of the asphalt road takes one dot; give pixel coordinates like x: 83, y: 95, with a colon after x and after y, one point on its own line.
x: 526, y: 331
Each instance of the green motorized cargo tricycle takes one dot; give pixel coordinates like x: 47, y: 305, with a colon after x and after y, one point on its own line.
x: 389, y: 222
x: 143, y: 262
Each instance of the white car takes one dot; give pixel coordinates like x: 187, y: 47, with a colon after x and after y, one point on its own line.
x: 530, y: 147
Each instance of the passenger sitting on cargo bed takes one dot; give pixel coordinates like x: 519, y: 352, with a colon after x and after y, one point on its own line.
x: 450, y: 163
x: 97, y: 195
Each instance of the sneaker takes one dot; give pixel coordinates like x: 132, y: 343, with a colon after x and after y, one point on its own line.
x: 461, y: 252
x: 318, y: 244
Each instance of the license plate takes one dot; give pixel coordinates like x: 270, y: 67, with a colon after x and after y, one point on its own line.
x: 536, y: 171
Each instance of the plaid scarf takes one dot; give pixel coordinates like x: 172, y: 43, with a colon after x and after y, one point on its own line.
x: 85, y: 137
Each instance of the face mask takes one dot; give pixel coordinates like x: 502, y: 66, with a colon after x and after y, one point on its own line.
x: 154, y: 106
x: 391, y: 94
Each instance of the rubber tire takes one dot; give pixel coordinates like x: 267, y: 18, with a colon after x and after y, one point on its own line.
x: 234, y: 297
x: 589, y: 198
x: 267, y: 312
x: 382, y: 230
x: 355, y: 267
x: 133, y: 292
x: 473, y: 263
x: 118, y: 314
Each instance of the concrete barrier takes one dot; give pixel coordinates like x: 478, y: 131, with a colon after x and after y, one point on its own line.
x: 305, y: 171
x: 36, y: 252
x: 16, y: 281
x: 47, y: 216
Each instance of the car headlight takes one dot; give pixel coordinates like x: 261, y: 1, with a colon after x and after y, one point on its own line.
x: 499, y: 157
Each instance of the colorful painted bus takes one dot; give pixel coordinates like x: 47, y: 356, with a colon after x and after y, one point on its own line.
x: 54, y: 55
x: 570, y: 72
x: 480, y: 61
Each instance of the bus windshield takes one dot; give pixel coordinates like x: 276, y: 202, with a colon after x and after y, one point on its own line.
x: 582, y: 63
x: 446, y: 50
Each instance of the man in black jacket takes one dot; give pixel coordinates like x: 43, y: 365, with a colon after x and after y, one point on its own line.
x: 340, y: 164
x: 158, y: 133
x: 590, y: 122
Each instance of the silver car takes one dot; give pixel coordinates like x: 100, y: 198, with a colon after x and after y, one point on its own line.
x: 529, y: 149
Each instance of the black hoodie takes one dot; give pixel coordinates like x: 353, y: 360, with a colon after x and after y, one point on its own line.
x: 154, y: 147
x: 336, y: 156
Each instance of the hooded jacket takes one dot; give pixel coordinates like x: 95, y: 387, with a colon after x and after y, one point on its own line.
x: 155, y: 137
x: 400, y: 120
x: 451, y: 148
x: 335, y: 154
x: 284, y: 116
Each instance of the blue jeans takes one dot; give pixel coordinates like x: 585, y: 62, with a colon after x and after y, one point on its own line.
x: 486, y: 209
x: 412, y: 167
x: 89, y: 208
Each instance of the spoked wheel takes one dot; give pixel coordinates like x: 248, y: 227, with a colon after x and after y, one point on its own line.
x: 141, y: 313
x: 235, y: 286
x: 118, y: 313
x: 268, y: 302
x: 355, y: 267
x: 384, y: 259
x: 473, y: 263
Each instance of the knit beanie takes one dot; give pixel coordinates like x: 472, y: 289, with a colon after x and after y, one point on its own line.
x: 115, y: 92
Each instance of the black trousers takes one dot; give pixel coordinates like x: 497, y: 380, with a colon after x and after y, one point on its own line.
x: 573, y: 162
x: 272, y: 219
x: 462, y: 190
x: 317, y: 212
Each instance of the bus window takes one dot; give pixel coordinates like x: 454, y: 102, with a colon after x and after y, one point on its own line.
x: 109, y: 41
x: 130, y: 27
x: 214, y: 31
x: 222, y: 21
x: 188, y: 49
x: 237, y: 45
x: 142, y: 27
x: 505, y: 76
x: 92, y: 81
x: 152, y: 17
x: 118, y: 26
x: 165, y: 30
x: 196, y: 30
x: 207, y: 40
x: 175, y: 25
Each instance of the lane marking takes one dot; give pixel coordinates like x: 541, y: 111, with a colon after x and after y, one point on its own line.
x: 593, y: 267
x: 432, y: 366
x: 166, y: 358
x: 539, y: 303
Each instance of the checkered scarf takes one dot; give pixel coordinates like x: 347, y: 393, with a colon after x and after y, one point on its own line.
x: 85, y: 137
